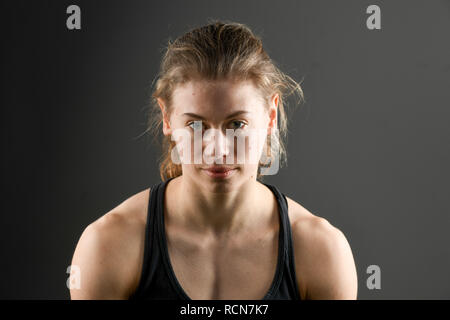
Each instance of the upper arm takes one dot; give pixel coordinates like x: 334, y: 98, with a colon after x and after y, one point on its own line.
x: 99, y: 257
x: 325, y: 261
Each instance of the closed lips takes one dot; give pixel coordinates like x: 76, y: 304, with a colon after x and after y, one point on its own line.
x: 219, y: 169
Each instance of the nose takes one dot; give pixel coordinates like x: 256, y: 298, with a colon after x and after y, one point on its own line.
x: 217, y: 147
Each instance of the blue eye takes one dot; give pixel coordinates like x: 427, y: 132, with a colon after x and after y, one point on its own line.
x: 239, y: 124
x: 196, y: 125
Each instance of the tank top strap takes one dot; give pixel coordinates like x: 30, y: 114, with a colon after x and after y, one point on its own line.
x: 162, y: 241
x: 287, y: 240
x: 151, y: 255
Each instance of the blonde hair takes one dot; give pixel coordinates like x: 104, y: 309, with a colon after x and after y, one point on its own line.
x: 218, y: 50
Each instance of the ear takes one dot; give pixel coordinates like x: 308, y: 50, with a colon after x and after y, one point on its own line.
x: 273, y: 112
x: 167, y: 130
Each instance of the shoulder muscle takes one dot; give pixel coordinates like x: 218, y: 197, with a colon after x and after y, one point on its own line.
x: 108, y: 255
x: 324, y: 261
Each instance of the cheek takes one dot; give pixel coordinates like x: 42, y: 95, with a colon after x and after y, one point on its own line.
x: 257, y: 141
x: 189, y: 146
x: 183, y: 144
x: 254, y: 143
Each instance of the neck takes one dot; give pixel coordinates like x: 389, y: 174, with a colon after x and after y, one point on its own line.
x: 219, y: 214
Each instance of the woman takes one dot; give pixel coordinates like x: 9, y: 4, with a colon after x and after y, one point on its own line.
x: 214, y: 230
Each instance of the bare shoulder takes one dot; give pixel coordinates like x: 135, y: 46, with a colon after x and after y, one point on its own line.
x: 110, y: 250
x: 324, y: 261
x: 310, y: 226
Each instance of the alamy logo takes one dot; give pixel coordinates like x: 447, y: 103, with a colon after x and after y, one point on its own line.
x: 212, y: 146
x: 74, y: 20
x: 74, y: 279
x: 374, y: 281
x: 374, y: 20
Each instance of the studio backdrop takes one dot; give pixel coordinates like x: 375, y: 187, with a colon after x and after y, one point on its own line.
x: 368, y: 149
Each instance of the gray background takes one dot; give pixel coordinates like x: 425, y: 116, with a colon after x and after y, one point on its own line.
x: 369, y: 151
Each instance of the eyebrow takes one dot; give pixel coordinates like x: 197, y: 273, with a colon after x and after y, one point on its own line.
x: 230, y: 116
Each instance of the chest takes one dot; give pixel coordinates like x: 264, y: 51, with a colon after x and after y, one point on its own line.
x: 236, y: 268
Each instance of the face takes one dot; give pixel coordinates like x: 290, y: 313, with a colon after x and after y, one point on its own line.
x: 220, y: 128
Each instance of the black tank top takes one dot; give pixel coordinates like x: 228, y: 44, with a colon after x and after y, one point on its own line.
x: 158, y: 280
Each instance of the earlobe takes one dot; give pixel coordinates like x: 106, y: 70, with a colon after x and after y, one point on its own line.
x: 166, y: 123
x: 166, y: 127
x: 273, y: 113
x: 273, y: 121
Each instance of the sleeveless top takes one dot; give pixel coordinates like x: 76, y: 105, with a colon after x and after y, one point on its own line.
x: 158, y: 280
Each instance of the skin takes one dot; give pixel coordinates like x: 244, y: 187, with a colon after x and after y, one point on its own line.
x: 222, y: 234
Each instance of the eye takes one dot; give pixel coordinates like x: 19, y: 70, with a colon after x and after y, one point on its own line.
x: 196, y: 125
x: 237, y: 124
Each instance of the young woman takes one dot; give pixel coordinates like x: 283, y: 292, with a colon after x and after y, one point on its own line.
x: 215, y: 230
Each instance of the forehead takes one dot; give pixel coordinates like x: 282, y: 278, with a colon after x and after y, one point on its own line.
x: 216, y: 96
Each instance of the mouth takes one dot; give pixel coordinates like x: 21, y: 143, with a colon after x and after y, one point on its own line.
x: 219, y: 171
